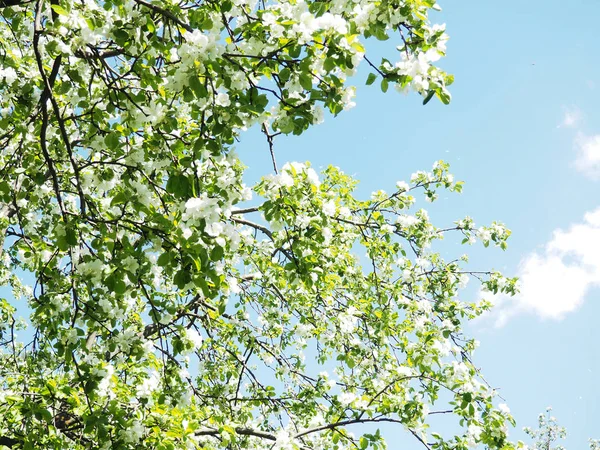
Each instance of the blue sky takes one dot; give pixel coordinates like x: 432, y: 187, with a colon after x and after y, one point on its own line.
x: 523, y: 132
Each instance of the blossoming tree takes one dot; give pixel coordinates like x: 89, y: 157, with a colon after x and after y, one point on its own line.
x: 548, y: 432
x: 166, y: 308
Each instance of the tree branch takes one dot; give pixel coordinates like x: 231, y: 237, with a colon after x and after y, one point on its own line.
x: 256, y: 226
x: 166, y: 13
x: 240, y: 431
x: 271, y: 149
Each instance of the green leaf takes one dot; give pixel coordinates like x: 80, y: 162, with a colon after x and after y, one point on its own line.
x: 350, y: 362
x: 119, y: 199
x: 202, y: 284
x: 197, y: 87
x: 120, y: 287
x: 59, y: 10
x: 380, y: 34
x: 285, y: 74
x: 336, y: 437
x: 71, y: 236
x: 150, y: 24
x: 384, y: 85
x: 371, y: 79
x: 226, y: 6
x: 179, y: 186
x: 76, y: 77
x: 121, y: 36
x: 318, y: 8
x: 429, y: 96
x: 306, y: 81
x: 5, y: 192
x: 62, y: 243
x: 112, y: 140
x: 329, y: 64
x: 182, y: 278
x: 295, y: 50
x: 64, y: 87
x: 444, y: 96
x: 164, y: 259
x: 217, y: 253
x: 356, y: 45
x: 363, y: 443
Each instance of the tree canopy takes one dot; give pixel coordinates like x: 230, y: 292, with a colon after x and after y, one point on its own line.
x: 170, y: 306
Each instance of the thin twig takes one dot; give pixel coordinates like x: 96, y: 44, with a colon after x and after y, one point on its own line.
x: 270, y: 141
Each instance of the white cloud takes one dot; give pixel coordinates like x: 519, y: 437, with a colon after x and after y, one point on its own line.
x: 555, y: 281
x: 587, y: 148
x: 588, y: 155
x: 571, y: 118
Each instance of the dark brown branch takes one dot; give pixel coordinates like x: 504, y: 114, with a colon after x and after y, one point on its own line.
x: 4, y: 4
x: 375, y: 67
x: 244, y: 211
x: 342, y: 423
x: 256, y: 226
x: 99, y: 55
x: 240, y: 431
x: 43, y: 104
x: 166, y: 13
x: 6, y: 441
x: 270, y: 141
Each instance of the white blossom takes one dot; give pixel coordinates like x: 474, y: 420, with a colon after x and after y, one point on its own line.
x: 134, y: 433
x: 346, y: 398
